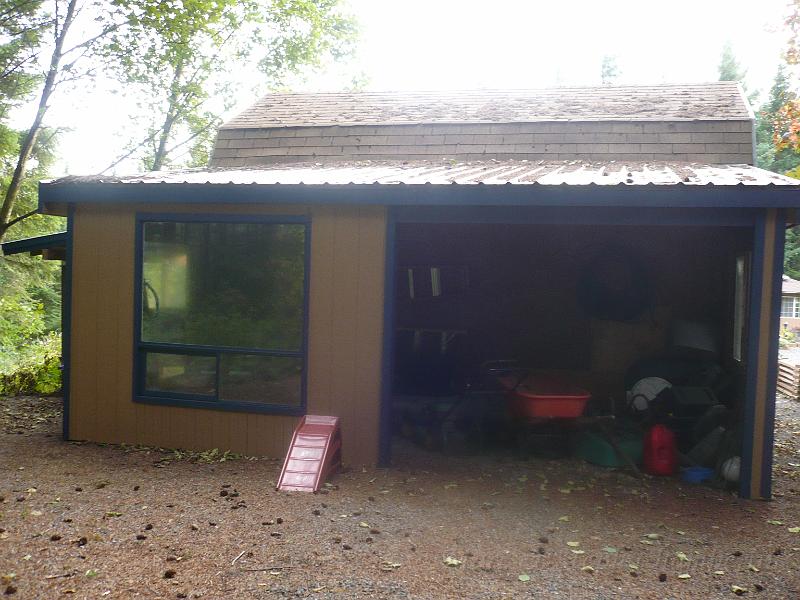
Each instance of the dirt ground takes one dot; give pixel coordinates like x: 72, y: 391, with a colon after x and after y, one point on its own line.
x: 91, y: 521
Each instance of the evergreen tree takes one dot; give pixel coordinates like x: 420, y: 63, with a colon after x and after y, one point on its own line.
x: 729, y: 68
x: 768, y: 156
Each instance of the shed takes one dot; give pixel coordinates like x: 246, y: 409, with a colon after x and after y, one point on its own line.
x: 343, y: 249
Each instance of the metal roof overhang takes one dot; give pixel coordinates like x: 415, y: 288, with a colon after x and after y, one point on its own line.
x: 53, y: 196
x: 36, y: 245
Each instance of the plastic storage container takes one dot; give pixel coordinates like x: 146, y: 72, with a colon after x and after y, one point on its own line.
x: 594, y: 448
x: 540, y: 397
x: 660, y: 452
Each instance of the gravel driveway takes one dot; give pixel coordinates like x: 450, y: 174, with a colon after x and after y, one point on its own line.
x: 91, y: 521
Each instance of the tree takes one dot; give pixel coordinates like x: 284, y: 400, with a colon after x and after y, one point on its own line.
x: 65, y: 65
x: 729, y: 68
x: 179, y: 61
x: 609, y: 72
x: 768, y: 155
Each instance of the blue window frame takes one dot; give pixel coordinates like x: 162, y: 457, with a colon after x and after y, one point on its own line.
x: 221, y: 312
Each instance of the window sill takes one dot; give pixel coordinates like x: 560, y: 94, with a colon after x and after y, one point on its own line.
x: 246, y: 407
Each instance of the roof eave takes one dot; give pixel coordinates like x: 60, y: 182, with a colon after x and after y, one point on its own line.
x: 679, y: 195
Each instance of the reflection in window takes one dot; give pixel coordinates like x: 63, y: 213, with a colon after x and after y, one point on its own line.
x: 223, y: 311
x: 250, y: 378
x: 181, y: 373
x: 223, y: 284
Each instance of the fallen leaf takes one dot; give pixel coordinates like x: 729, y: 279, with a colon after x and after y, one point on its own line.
x: 610, y: 549
x: 573, y: 544
x: 564, y: 518
x: 682, y: 556
x: 91, y: 573
x: 587, y: 569
x: 565, y: 490
x: 452, y: 562
x: 653, y: 536
x: 774, y: 522
x: 524, y: 577
x: 753, y: 568
x: 578, y: 551
x: 364, y: 525
x: 719, y: 572
x: 793, y: 530
x: 36, y: 513
x: 684, y: 576
x: 738, y: 590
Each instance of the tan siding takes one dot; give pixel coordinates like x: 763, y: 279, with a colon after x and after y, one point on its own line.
x: 344, y: 355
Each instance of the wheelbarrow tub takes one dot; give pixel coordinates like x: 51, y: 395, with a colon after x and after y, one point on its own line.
x: 543, y: 397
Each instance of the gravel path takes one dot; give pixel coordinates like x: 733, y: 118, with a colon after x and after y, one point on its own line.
x: 91, y: 521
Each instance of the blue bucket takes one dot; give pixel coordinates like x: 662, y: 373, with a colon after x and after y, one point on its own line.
x: 697, y: 474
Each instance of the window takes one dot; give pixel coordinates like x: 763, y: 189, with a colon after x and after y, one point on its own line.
x: 221, y: 317
x: 790, y: 306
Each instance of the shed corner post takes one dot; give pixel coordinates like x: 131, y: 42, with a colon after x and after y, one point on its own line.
x: 762, y: 355
x: 66, y: 321
x: 387, y: 359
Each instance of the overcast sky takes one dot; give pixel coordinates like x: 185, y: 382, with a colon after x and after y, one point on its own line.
x: 462, y: 44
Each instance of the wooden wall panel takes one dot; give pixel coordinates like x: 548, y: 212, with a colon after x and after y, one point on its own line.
x: 344, y: 353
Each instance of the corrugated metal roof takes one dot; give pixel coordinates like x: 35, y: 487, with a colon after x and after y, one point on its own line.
x: 516, y: 172
x: 716, y: 101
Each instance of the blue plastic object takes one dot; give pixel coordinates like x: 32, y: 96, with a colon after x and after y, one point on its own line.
x: 697, y: 474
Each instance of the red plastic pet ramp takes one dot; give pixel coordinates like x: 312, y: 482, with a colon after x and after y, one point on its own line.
x: 314, y: 454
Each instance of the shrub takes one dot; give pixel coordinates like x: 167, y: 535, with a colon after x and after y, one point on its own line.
x: 32, y: 369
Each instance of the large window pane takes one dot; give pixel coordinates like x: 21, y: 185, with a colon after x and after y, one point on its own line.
x: 223, y: 284
x: 183, y: 373
x: 263, y: 379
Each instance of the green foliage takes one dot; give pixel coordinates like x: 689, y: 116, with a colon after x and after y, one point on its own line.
x: 303, y: 34
x: 21, y: 26
x: 791, y: 257
x: 34, y: 369
x: 179, y: 58
x: 768, y: 155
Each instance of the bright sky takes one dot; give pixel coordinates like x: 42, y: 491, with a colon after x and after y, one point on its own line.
x: 462, y: 44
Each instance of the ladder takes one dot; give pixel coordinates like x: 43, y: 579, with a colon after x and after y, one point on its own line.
x: 314, y: 454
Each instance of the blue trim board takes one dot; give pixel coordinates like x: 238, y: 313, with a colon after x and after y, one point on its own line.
x: 35, y: 244
x: 140, y: 394
x: 570, y: 215
x: 66, y: 320
x: 665, y: 196
x: 772, y: 365
x: 387, y: 366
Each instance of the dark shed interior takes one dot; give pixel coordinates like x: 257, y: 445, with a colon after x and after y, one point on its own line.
x: 599, y: 306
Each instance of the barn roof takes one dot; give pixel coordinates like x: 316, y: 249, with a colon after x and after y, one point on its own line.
x: 716, y: 101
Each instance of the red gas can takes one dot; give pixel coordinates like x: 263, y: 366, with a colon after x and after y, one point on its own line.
x: 660, y: 453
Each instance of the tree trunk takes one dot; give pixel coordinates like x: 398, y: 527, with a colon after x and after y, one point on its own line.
x: 169, y: 121
x: 33, y: 133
